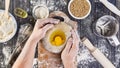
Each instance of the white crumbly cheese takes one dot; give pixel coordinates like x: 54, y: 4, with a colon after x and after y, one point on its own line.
x: 6, y: 27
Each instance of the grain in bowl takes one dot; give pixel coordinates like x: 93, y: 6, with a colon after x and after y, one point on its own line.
x: 79, y: 9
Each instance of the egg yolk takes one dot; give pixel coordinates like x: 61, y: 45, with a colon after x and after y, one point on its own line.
x: 57, y: 38
x: 57, y: 41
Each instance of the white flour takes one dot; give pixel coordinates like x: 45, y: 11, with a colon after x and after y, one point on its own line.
x: 6, y: 52
x: 55, y: 5
x: 84, y: 57
x: 103, y: 48
x: 117, y: 57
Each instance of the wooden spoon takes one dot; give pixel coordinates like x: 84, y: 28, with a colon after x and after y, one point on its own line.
x: 7, y: 3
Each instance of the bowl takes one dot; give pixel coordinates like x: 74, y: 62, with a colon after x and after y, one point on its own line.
x: 40, y: 11
x: 79, y: 17
x: 14, y: 25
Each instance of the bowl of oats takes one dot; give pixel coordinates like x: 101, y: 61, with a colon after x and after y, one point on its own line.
x: 79, y: 9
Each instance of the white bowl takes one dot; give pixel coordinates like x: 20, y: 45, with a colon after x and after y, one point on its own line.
x: 38, y: 6
x: 79, y: 17
x: 14, y: 31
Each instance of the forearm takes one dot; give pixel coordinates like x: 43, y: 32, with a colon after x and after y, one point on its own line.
x: 26, y: 57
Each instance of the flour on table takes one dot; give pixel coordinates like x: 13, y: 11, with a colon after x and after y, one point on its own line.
x: 6, y: 52
x: 117, y: 56
x: 35, y: 63
x: 102, y: 47
x: 55, y: 5
x: 84, y: 58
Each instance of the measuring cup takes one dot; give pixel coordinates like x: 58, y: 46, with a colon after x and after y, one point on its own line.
x: 107, y: 27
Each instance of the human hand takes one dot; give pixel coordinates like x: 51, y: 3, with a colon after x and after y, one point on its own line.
x: 71, y: 50
x: 41, y: 27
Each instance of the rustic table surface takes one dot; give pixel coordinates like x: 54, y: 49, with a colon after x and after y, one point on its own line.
x: 85, y: 60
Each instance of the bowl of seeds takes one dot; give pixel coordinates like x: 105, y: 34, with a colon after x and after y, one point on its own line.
x: 79, y: 9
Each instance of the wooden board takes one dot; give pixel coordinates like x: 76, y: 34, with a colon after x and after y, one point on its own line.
x: 48, y: 59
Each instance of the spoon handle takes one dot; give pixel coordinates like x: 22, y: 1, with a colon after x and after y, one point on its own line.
x: 111, y: 7
x: 7, y: 3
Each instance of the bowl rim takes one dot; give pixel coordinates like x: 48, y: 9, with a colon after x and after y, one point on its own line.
x: 79, y: 17
x: 15, y: 29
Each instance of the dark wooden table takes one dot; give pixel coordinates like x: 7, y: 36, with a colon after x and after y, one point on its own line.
x: 84, y: 29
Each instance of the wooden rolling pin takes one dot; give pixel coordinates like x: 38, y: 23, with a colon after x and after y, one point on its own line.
x: 100, y: 57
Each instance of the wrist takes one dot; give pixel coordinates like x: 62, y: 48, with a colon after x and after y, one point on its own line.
x: 70, y: 65
x: 35, y: 37
x: 32, y: 40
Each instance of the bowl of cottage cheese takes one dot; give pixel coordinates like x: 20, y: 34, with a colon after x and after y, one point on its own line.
x: 8, y: 27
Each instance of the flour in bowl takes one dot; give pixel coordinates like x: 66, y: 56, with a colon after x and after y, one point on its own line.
x: 6, y: 26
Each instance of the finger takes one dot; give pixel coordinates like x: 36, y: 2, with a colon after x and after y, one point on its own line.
x: 74, y: 51
x: 42, y: 22
x: 75, y: 46
x: 68, y: 45
x: 75, y: 25
x: 47, y: 27
x: 76, y: 38
x: 77, y: 35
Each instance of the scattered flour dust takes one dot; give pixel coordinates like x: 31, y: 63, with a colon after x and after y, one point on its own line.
x: 7, y: 50
x: 103, y: 47
x: 55, y: 5
x: 117, y: 57
x: 84, y: 58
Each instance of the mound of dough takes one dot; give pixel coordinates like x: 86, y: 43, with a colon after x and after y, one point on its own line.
x: 56, y: 38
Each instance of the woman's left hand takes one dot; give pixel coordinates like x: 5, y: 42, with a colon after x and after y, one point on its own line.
x: 41, y: 27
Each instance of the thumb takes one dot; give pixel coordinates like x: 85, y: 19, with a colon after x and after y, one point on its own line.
x: 68, y: 45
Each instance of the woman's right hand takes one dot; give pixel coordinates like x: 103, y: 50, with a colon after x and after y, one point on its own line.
x: 71, y: 50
